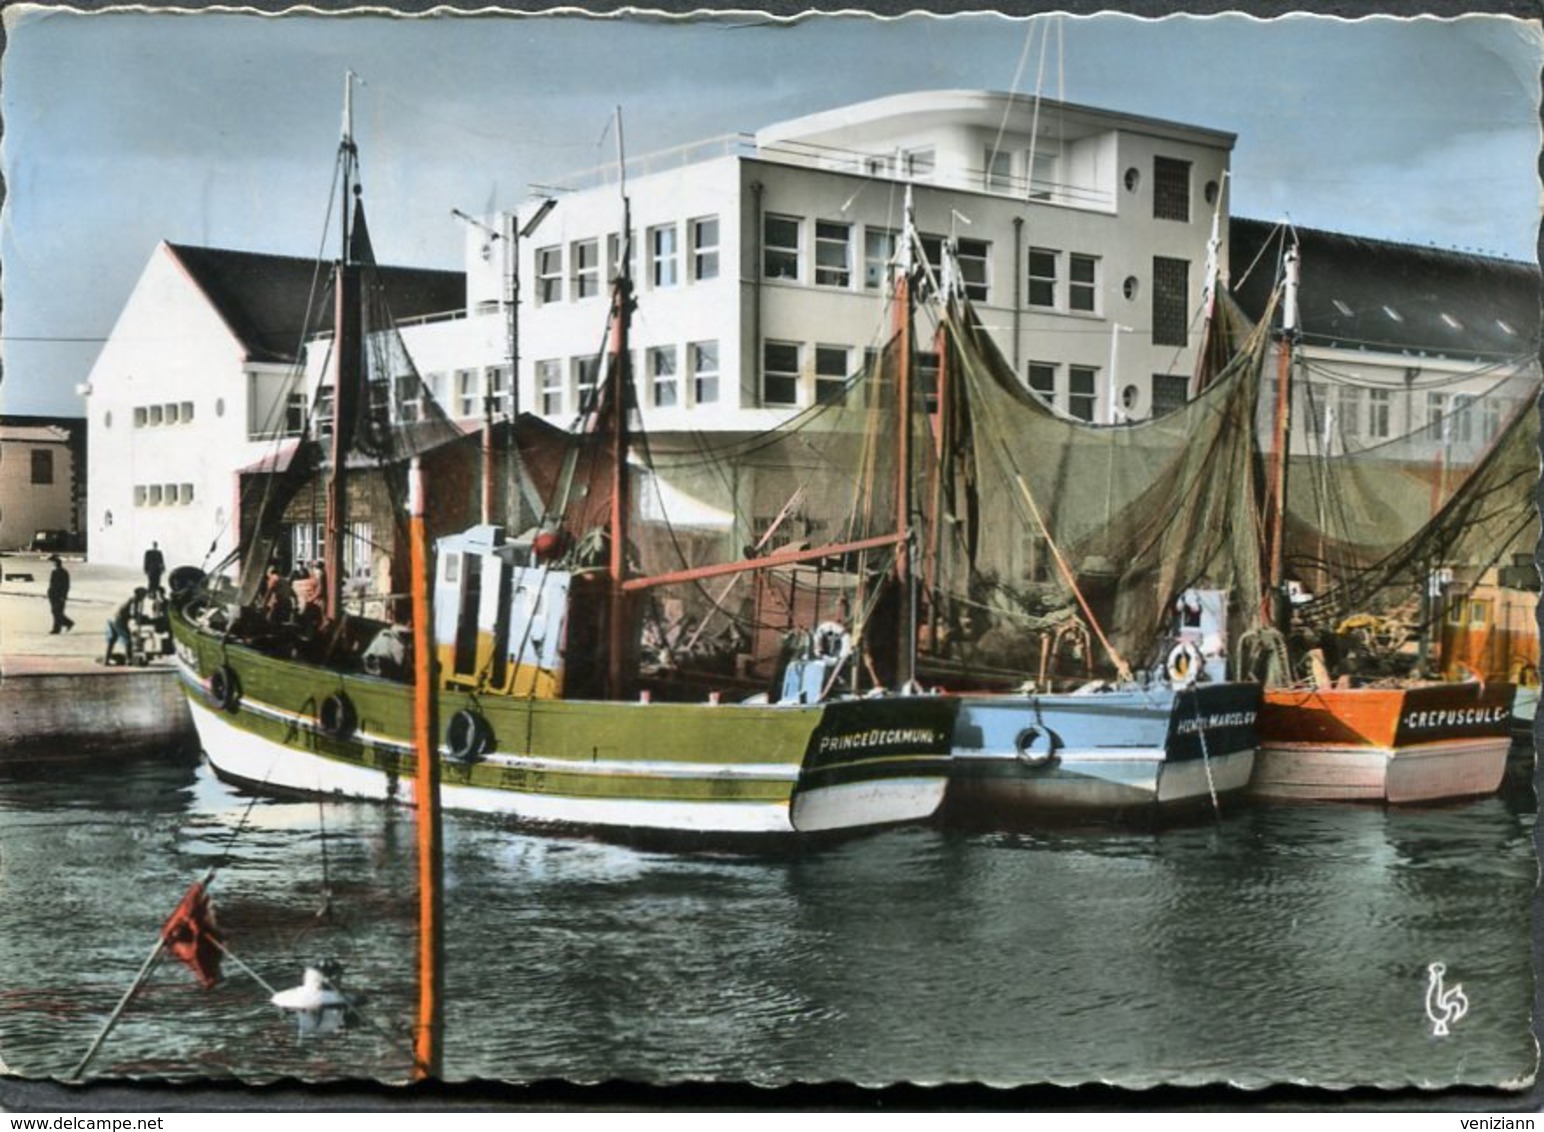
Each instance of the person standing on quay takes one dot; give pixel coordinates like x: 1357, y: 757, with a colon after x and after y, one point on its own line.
x: 58, y: 594
x: 155, y: 566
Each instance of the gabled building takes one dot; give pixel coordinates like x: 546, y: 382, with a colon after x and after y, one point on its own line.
x: 203, y: 374
x: 41, y: 468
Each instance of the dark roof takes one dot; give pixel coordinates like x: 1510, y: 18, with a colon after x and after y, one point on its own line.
x: 264, y: 298
x: 1358, y: 293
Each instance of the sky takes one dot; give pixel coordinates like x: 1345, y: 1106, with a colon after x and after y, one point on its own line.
x: 125, y: 129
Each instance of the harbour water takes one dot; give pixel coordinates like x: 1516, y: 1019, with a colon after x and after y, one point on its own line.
x: 1275, y: 945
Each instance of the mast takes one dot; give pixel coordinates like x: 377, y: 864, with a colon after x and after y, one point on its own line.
x: 347, y: 363
x: 621, y: 389
x: 906, y: 654
x: 1275, y: 611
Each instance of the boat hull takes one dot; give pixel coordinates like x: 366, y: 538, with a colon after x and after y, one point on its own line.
x: 705, y: 770
x: 1124, y: 754
x: 1422, y: 743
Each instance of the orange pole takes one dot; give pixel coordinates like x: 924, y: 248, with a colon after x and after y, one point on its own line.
x: 1276, y: 562
x: 426, y: 794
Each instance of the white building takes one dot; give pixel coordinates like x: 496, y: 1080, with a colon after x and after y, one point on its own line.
x: 760, y: 262
x: 200, y: 376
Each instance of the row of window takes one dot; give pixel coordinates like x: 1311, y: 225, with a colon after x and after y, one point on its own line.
x: 162, y: 494
x: 671, y: 377
x: 675, y: 253
x: 169, y: 413
x: 1368, y: 413
x: 835, y: 259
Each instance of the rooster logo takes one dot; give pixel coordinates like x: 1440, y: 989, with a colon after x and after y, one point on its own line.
x: 1444, y: 1006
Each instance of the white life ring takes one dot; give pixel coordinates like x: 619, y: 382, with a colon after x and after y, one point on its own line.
x: 832, y: 640
x: 1184, y: 664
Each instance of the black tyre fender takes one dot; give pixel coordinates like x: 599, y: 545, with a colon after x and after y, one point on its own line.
x: 225, y: 688
x: 337, y: 716
x: 468, y: 736
x: 1036, y: 747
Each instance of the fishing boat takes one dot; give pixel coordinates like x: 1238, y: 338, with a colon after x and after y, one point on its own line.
x: 541, y: 718
x: 1399, y: 737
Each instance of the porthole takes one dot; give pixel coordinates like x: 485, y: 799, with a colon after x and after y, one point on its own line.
x: 1133, y: 179
x: 1211, y: 192
x: 1130, y: 288
x: 107, y: 419
x: 219, y: 406
x: 1129, y: 397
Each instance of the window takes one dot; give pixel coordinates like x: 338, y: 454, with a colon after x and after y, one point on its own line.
x: 974, y: 257
x: 1316, y: 408
x: 830, y: 373
x: 42, y: 466
x: 1463, y: 417
x: 1348, y: 407
x: 662, y: 256
x: 927, y: 379
x: 585, y: 257
x: 295, y: 413
x: 157, y: 414
x: 999, y: 171
x: 169, y: 493
x: 154, y: 495
x: 586, y: 378
x: 614, y: 255
x: 833, y: 254
x: 1169, y: 393
x: 878, y: 251
x: 187, y: 412
x: 1492, y: 425
x: 877, y: 166
x: 141, y: 495
x: 549, y: 275
x: 662, y: 376
x: 1082, y: 283
x: 405, y: 395
x: 186, y: 494
x: 780, y: 247
x: 549, y: 385
x: 1042, y: 277
x: 704, y: 356
x: 1081, y: 386
x: 780, y: 373
x: 1171, y: 292
x: 1436, y: 406
x: 1479, y: 612
x: 1378, y: 401
x: 1042, y: 381
x: 705, y: 248
x: 141, y: 417
x: 468, y: 395
x: 920, y: 163
x: 1171, y: 189
x: 172, y: 412
x: 1043, y: 168
x: 502, y: 387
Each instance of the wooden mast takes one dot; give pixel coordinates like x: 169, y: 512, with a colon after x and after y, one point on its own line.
x: 1274, y: 612
x: 906, y: 652
x: 428, y: 1034
x: 621, y: 398
x: 347, y: 361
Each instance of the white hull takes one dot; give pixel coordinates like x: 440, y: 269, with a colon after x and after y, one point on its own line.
x: 1453, y: 769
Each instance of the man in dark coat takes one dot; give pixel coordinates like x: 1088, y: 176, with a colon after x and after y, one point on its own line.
x: 155, y: 566
x: 58, y: 594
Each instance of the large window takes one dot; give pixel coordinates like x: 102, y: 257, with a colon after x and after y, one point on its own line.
x: 704, y: 357
x: 1436, y: 408
x: 830, y: 373
x: 1378, y: 402
x: 42, y: 466
x: 1171, y: 297
x: 780, y: 373
x: 468, y: 393
x: 614, y: 255
x: 1348, y: 408
x: 549, y: 386
x: 295, y: 413
x: 1042, y: 277
x: 920, y: 163
x: 878, y: 252
x: 998, y: 165
x: 974, y: 258
x: 1082, y: 382
x: 1492, y: 425
x: 1463, y: 417
x: 833, y: 254
x: 780, y: 247
x: 586, y: 378
x: 1082, y: 283
x: 1044, y: 168
x: 662, y: 255
x: 662, y: 376
x: 705, y: 248
x: 585, y: 256
x: 549, y: 275
x: 1171, y: 189
x: 502, y: 387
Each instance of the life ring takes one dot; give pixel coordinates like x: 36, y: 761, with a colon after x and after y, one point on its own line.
x: 225, y: 688
x: 468, y: 736
x: 832, y: 640
x: 1037, y: 748
x: 1184, y: 664
x: 337, y: 716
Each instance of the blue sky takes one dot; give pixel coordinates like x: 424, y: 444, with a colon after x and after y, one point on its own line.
x: 122, y: 130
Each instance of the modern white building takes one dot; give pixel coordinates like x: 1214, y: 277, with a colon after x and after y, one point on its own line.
x: 201, y: 376
x: 760, y: 261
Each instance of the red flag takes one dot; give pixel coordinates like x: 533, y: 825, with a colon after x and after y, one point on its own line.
x: 192, y: 935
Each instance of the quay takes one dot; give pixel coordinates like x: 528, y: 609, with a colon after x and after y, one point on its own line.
x: 57, y: 698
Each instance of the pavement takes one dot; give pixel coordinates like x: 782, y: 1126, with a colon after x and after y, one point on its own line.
x: 96, y: 591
